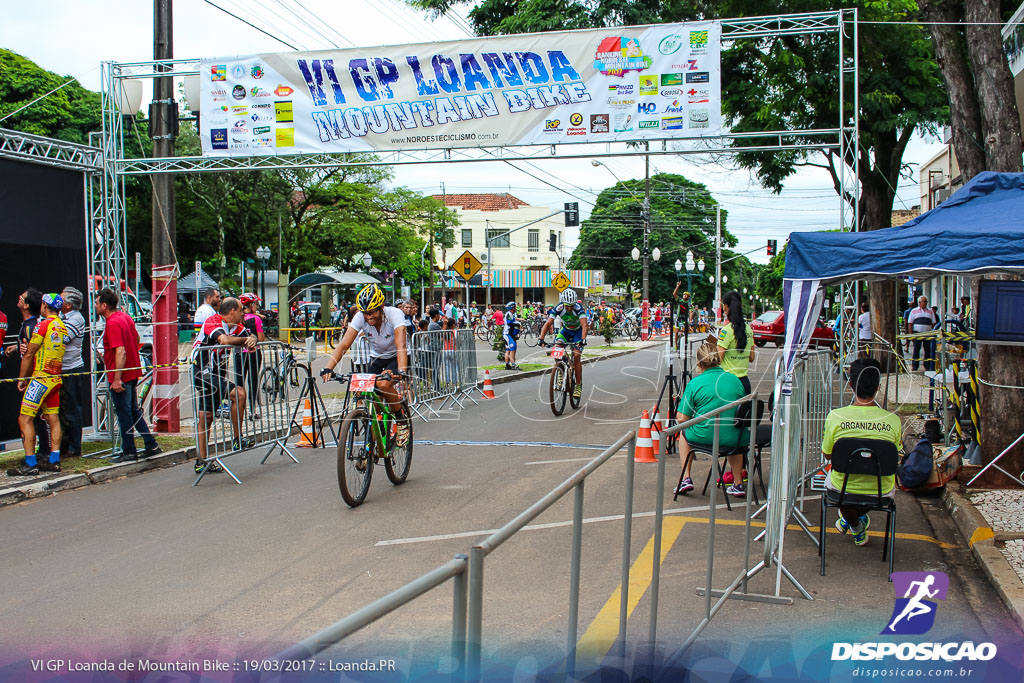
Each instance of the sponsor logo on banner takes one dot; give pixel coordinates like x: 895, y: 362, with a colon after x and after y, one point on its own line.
x: 576, y: 119
x: 553, y: 126
x: 576, y: 131
x: 263, y: 142
x: 219, y: 138
x: 698, y: 77
x: 257, y: 91
x: 283, y: 113
x: 238, y: 92
x: 217, y: 115
x: 670, y: 44
x: 257, y: 117
x: 260, y: 130
x: 698, y: 39
x: 699, y: 118
x: 672, y: 123
x: 219, y: 95
x: 285, y: 137
x: 616, y: 103
x: 671, y: 92
x: 256, y: 71
x: 618, y: 55
x: 219, y: 72
x: 675, y: 108
x: 599, y: 123
x: 283, y: 91
x: 649, y: 124
x: 622, y: 123
x: 238, y: 71
x: 914, y: 613
x: 648, y: 85
x: 690, y: 65
x: 239, y: 110
x: 240, y: 126
x: 694, y: 96
x: 622, y: 89
x: 647, y: 108
x: 671, y: 79
x: 265, y: 105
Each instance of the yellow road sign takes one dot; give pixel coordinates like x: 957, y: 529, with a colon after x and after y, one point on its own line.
x: 561, y: 281
x: 467, y: 265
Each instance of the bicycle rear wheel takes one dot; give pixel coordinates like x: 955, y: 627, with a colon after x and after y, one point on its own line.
x: 556, y: 389
x: 634, y: 331
x: 355, y: 457
x: 396, y: 465
x: 531, y: 335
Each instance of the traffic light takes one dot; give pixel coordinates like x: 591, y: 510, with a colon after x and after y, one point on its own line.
x: 772, y: 246
x: 572, y: 214
x: 553, y: 242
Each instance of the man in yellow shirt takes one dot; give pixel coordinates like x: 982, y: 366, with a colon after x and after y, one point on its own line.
x: 862, y: 420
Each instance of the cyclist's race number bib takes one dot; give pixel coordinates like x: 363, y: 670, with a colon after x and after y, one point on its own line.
x: 558, y: 352
x: 362, y: 381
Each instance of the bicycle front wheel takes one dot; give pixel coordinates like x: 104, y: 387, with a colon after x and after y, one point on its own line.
x: 634, y: 331
x: 556, y: 389
x: 396, y: 465
x: 573, y: 401
x: 355, y: 457
x: 530, y: 336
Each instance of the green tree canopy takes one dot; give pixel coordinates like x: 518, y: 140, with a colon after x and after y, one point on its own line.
x: 69, y: 114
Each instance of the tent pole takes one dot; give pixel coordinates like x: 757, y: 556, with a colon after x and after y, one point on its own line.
x: 941, y: 340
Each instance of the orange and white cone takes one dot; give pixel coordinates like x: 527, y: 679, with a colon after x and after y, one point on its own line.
x: 656, y: 433
x: 644, y: 446
x: 488, y: 387
x: 307, y: 438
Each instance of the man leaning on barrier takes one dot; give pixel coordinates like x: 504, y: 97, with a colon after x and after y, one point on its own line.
x: 209, y: 376
x: 862, y: 420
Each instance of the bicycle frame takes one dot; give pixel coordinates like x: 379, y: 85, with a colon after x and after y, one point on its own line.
x: 378, y: 413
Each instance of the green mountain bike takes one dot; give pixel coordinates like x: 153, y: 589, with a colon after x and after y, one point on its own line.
x: 369, y: 434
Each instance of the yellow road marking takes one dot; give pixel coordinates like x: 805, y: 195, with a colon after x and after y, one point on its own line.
x: 982, y: 533
x: 603, y: 631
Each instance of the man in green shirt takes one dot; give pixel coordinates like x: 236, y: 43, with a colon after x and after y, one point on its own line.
x: 862, y: 420
x: 712, y: 388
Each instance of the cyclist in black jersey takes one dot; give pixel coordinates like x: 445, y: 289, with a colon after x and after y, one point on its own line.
x: 573, y: 332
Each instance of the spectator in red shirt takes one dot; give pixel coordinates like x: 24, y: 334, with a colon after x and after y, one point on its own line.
x: 121, y: 359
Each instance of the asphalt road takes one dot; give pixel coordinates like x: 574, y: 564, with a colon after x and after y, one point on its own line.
x: 152, y: 566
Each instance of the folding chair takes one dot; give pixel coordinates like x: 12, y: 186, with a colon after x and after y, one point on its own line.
x: 863, y: 456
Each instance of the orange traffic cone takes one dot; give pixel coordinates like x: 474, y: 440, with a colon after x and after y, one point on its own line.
x: 644, y: 446
x: 656, y: 432
x: 307, y: 438
x: 488, y: 388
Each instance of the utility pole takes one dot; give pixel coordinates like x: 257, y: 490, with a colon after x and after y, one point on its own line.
x: 163, y: 127
x: 430, y: 271
x: 718, y: 263
x: 645, y: 326
x: 444, y: 227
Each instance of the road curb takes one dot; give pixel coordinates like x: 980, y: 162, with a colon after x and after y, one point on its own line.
x: 981, y: 540
x: 536, y: 373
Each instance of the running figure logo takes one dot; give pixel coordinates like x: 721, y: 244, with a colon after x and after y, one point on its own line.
x: 916, y: 593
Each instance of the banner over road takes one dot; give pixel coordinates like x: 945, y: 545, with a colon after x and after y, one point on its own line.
x: 603, y: 85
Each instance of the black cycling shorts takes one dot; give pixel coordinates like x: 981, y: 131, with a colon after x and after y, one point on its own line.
x: 379, y: 365
x: 211, y: 388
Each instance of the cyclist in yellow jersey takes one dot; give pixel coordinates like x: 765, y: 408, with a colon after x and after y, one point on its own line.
x: 42, y: 391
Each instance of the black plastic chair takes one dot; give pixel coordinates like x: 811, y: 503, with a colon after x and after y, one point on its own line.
x: 741, y: 421
x: 872, y: 457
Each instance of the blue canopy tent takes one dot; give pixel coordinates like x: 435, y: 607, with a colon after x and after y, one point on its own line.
x: 980, y: 229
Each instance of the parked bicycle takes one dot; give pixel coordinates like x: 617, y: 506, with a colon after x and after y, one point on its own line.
x: 369, y: 434
x: 484, y: 329
x: 275, y: 379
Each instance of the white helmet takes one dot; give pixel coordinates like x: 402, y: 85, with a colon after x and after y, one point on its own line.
x: 568, y: 297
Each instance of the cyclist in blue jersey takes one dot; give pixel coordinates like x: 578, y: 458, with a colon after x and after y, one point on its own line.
x: 511, y: 330
x: 574, y: 331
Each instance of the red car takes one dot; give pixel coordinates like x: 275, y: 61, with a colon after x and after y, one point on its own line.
x: 770, y: 326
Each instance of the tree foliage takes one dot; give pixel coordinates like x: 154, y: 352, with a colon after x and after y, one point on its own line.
x: 69, y: 114
x: 682, y: 219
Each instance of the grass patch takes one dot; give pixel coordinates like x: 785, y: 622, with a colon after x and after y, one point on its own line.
x: 614, y: 348
x: 522, y: 366
x: 911, y: 408
x: 72, y: 465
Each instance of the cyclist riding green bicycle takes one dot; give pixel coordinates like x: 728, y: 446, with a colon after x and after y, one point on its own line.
x: 573, y: 332
x: 385, y: 328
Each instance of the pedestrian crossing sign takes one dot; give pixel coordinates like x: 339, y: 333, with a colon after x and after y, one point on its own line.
x: 561, y: 281
x: 467, y: 265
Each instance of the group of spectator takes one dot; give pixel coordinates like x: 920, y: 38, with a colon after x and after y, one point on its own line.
x: 916, y: 320
x: 52, y: 376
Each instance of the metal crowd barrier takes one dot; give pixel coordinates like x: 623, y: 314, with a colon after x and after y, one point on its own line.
x: 444, y: 368
x: 240, y: 398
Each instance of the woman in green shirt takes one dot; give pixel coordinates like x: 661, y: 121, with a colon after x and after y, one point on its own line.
x: 736, y: 339
x: 712, y: 388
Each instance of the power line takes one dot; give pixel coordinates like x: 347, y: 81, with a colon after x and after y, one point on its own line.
x: 248, y: 23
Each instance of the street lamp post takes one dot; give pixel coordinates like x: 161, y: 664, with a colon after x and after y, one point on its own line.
x: 263, y: 259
